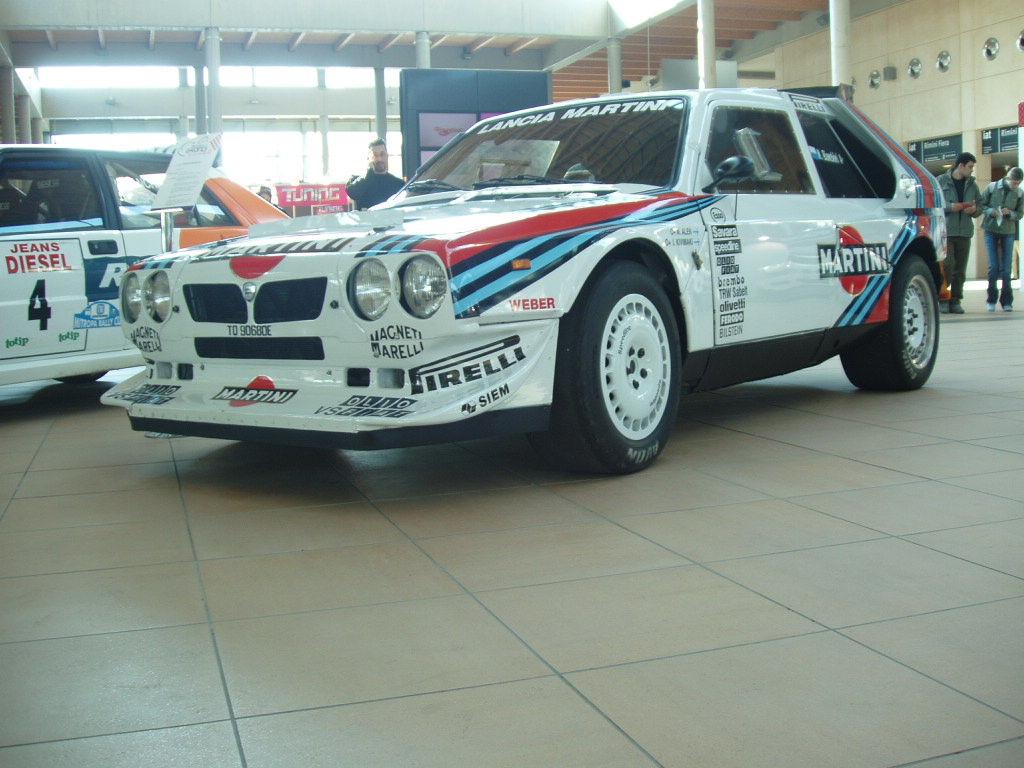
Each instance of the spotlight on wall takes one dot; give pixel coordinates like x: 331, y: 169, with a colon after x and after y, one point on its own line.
x: 1020, y: 41
x: 914, y: 68
x: 875, y: 79
x: 943, y: 61
x: 990, y: 49
x: 823, y: 20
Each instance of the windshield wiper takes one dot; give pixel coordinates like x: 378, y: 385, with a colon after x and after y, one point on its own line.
x: 523, y: 178
x: 433, y: 185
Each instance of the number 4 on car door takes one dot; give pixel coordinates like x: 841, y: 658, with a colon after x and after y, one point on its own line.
x: 38, y: 307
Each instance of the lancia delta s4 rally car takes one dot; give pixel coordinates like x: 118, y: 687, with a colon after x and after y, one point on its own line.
x: 565, y: 272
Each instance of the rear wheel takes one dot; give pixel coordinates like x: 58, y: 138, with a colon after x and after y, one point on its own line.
x: 616, y: 377
x: 901, y: 355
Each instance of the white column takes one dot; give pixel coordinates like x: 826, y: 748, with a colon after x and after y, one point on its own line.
x: 614, y: 65
x: 839, y: 23
x: 215, y: 118
x: 7, y: 125
x: 422, y: 51
x: 24, y: 119
x: 202, y: 126
x: 380, y: 123
x: 706, y: 54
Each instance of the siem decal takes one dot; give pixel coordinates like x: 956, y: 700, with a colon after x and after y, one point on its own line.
x: 485, y: 399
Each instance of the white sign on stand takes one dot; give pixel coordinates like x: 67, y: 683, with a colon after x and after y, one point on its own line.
x: 188, y: 171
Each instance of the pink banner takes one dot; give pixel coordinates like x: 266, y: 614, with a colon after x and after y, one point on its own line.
x: 311, y: 194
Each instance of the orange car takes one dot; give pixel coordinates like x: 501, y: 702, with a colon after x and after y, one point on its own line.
x: 71, y: 222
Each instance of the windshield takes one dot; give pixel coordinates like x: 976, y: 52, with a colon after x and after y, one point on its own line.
x: 613, y: 142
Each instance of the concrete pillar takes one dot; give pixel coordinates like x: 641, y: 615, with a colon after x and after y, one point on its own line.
x: 614, y: 65
x: 8, y: 131
x: 839, y: 24
x: 380, y: 121
x: 707, y: 72
x: 422, y: 51
x: 215, y: 118
x: 24, y: 116
x: 202, y: 125
x: 324, y: 126
x: 37, y: 130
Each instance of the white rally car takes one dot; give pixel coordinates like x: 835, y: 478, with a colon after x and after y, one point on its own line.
x: 564, y: 272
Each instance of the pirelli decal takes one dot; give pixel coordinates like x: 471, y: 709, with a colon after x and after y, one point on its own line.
x: 860, y: 259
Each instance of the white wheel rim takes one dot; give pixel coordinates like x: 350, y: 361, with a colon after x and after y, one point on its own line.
x: 635, y: 366
x: 918, y: 324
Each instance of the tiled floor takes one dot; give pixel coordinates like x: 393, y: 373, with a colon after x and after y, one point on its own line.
x: 810, y: 576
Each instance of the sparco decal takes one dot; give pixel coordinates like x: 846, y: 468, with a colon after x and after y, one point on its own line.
x: 149, y: 394
x: 396, y: 342
x: 471, y: 365
x: 369, y: 405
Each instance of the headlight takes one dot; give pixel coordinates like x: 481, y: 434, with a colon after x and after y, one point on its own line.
x: 369, y: 289
x: 424, y: 286
x: 157, y: 296
x: 131, y: 297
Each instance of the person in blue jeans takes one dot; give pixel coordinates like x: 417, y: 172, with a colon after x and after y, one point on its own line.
x: 1002, y: 202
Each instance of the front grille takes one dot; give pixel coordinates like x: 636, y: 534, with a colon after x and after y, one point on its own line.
x: 216, y: 304
x: 284, y: 348
x: 282, y: 301
x: 289, y: 300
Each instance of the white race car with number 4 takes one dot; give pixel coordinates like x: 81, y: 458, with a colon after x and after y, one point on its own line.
x: 565, y: 272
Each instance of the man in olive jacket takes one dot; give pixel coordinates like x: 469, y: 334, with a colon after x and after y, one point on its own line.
x: 960, y: 192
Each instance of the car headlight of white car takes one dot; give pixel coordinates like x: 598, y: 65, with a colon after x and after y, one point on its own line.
x: 369, y: 289
x: 131, y: 297
x: 156, y: 296
x: 424, y: 286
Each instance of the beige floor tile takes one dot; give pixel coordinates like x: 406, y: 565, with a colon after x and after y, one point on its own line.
x: 999, y: 546
x: 944, y: 460
x: 454, y: 729
x: 210, y: 746
x: 727, y: 448
x: 824, y: 474
x: 358, y: 654
x: 87, y: 509
x: 630, y: 617
x: 743, y: 530
x: 12, y: 462
x: 94, y: 602
x: 1012, y: 443
x: 971, y: 426
x: 945, y: 646
x: 1005, y: 755
x: 528, y: 556
x: 808, y: 701
x: 105, y: 684
x: 1009, y: 485
x: 134, y: 477
x: 290, y: 530
x: 321, y: 579
x: 869, y: 581
x: 914, y: 507
x: 63, y: 550
x: 9, y: 483
x: 645, y: 492
x: 98, y: 448
x: 497, y: 510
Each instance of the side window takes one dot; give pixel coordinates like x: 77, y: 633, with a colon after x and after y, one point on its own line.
x: 48, y: 195
x: 137, y: 184
x: 767, y: 138
x: 839, y: 174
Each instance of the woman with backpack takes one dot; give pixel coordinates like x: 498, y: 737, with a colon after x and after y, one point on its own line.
x: 1003, y: 205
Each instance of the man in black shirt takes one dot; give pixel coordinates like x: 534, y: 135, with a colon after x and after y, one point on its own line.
x: 377, y: 185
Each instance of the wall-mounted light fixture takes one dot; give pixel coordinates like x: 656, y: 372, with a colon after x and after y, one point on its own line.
x: 914, y: 68
x: 942, y: 61
x: 875, y: 79
x: 1020, y: 41
x: 990, y: 49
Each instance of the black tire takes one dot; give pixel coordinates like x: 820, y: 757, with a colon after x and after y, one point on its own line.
x: 616, y: 377
x: 902, y: 354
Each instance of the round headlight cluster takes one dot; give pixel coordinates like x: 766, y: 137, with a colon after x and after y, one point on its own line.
x: 131, y: 297
x: 152, y: 293
x: 422, y: 285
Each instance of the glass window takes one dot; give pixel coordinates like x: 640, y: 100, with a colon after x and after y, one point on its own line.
x: 48, y: 194
x: 839, y: 174
x: 767, y: 138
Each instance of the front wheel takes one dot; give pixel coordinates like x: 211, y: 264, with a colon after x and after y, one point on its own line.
x: 901, y: 355
x: 616, y: 377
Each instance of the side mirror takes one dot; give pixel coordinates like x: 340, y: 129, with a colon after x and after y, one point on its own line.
x: 735, y: 169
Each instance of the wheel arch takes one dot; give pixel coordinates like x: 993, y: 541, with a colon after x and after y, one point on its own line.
x: 924, y: 247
